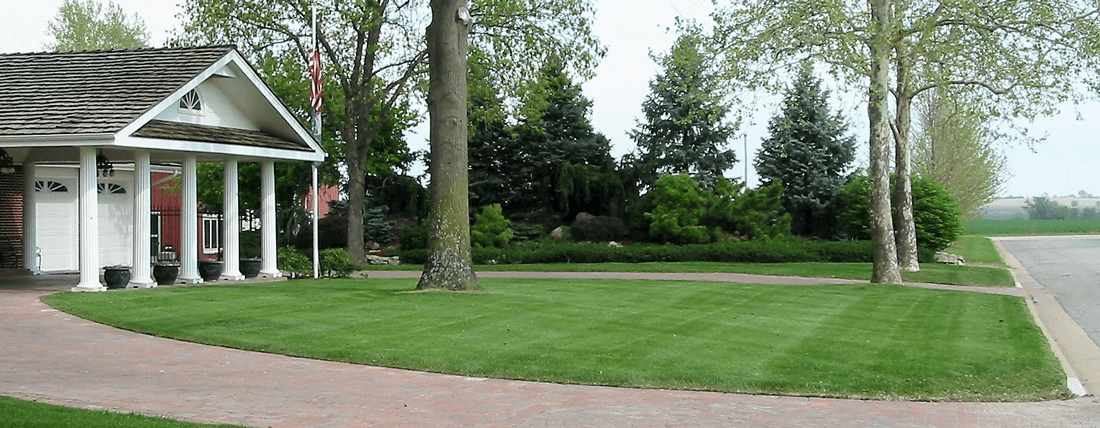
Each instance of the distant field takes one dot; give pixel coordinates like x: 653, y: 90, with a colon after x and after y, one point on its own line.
x: 1013, y: 208
x: 1031, y: 227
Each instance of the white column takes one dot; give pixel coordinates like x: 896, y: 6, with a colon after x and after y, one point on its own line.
x: 189, y: 222
x: 231, y: 259
x: 30, y: 234
x: 140, y: 273
x: 89, y: 223
x: 267, y: 219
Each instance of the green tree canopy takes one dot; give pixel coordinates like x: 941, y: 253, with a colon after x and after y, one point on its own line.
x: 85, y: 25
x: 954, y: 146
x: 1025, y: 57
x: 809, y: 151
x: 374, y: 54
x: 685, y: 130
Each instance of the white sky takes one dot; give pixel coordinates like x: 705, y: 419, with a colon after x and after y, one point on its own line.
x: 1069, y: 160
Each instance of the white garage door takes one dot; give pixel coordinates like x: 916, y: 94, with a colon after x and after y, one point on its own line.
x: 116, y: 224
x: 58, y: 231
x: 56, y: 225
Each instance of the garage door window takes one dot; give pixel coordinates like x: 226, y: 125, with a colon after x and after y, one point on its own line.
x: 50, y: 187
x: 111, y: 189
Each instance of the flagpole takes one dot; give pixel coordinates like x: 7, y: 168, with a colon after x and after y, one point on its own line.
x: 313, y: 166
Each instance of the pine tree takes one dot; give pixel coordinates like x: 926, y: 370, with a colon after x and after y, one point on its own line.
x: 807, y: 150
x: 554, y: 134
x: 492, y: 142
x: 685, y: 130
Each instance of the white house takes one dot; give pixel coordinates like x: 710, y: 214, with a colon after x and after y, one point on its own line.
x: 81, y: 133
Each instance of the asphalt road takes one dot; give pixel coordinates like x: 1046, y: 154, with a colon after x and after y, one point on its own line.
x: 1070, y: 268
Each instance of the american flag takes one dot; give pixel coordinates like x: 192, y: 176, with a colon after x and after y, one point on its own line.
x: 315, y: 90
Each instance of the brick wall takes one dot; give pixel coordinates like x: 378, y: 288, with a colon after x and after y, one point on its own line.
x: 11, y: 220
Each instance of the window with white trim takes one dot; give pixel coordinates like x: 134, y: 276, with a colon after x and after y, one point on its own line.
x: 211, y: 233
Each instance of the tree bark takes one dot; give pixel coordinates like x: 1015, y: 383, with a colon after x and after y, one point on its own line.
x: 906, y: 233
x: 357, y: 191
x: 449, y: 264
x: 882, y: 229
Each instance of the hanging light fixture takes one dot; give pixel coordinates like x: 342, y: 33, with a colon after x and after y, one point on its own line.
x: 106, y: 169
x: 7, y: 164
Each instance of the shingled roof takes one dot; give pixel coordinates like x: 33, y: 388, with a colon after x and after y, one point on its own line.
x: 92, y: 92
x: 214, y: 134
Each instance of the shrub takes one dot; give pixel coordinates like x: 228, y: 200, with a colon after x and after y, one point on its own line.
x: 588, y: 227
x: 490, y: 228
x: 679, y: 204
x: 332, y: 232
x: 771, y: 251
x: 334, y: 262
x: 375, y: 226
x: 936, y: 215
x: 251, y: 246
x: 748, y: 213
x: 295, y: 262
x: 526, y: 232
x: 414, y: 237
x: 855, y: 208
x: 636, y: 219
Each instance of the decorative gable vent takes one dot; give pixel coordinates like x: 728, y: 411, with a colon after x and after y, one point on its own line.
x: 191, y: 102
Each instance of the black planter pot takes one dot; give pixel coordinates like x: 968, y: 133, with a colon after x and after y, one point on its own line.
x: 209, y: 270
x: 165, y: 274
x: 250, y: 268
x: 116, y: 276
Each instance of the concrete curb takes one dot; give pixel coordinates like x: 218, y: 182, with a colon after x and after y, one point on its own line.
x: 1078, y: 354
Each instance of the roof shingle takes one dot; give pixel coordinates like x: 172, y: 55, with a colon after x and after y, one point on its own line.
x: 92, y: 92
x: 214, y: 134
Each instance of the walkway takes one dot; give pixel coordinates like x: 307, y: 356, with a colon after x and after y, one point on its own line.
x: 52, y: 357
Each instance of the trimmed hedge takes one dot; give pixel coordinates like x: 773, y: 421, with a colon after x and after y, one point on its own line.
x: 730, y: 252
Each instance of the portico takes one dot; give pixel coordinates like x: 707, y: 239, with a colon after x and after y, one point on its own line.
x: 147, y: 108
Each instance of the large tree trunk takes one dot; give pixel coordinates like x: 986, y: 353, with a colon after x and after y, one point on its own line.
x: 357, y: 190
x: 906, y: 233
x: 882, y: 229
x: 449, y: 265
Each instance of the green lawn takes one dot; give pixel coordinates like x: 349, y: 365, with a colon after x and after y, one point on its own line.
x: 977, y: 249
x: 15, y: 413
x: 930, y: 272
x: 859, y: 341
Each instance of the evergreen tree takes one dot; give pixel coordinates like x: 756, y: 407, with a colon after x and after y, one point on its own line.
x: 555, y: 142
x: 685, y: 130
x: 492, y: 143
x: 807, y: 150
